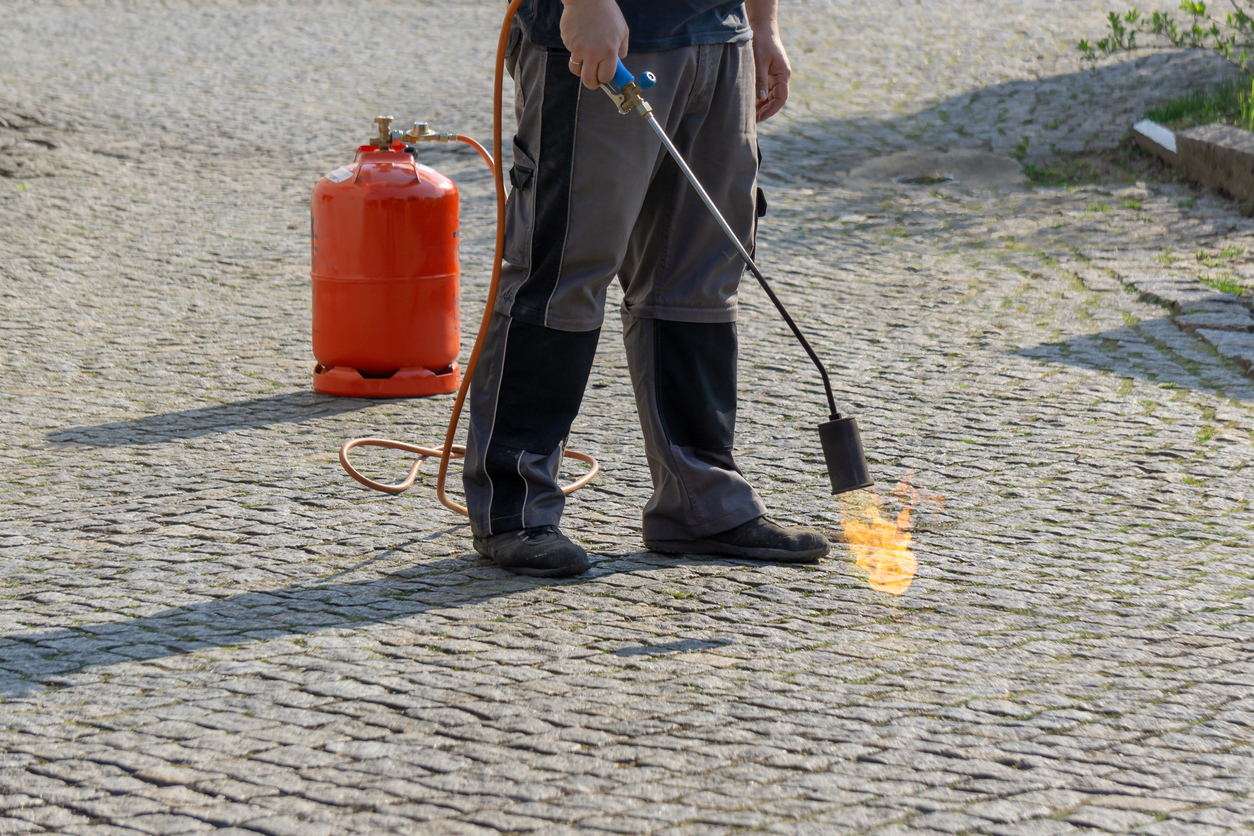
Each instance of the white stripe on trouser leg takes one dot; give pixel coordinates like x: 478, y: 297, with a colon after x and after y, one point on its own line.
x: 522, y: 513
x: 496, y: 403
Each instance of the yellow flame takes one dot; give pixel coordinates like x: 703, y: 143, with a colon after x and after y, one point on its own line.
x: 880, y: 546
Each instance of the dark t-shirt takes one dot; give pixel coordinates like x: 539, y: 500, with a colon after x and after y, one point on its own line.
x: 654, y: 24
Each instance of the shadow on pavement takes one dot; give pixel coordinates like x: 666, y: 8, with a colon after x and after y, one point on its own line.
x: 289, y: 408
x: 1060, y: 109
x: 34, y: 660
x: 1119, y: 351
x: 669, y: 647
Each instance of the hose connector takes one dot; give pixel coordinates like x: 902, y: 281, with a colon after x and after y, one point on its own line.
x: 626, y: 90
x: 421, y: 132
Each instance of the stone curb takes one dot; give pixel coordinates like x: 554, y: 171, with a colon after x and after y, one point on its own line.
x: 1218, y: 156
x: 1221, y: 157
x: 1157, y: 139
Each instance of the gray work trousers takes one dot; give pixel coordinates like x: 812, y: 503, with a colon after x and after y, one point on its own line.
x: 594, y: 195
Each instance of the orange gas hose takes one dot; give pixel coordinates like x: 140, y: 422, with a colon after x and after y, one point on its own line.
x: 483, y: 152
x: 450, y: 451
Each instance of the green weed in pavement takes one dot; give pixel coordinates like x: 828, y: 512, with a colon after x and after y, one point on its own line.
x: 1221, y: 103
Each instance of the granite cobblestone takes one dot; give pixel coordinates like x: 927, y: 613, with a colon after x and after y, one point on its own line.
x: 204, y: 625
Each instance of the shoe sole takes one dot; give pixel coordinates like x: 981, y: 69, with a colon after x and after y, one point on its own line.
x: 713, y: 547
x: 561, y: 572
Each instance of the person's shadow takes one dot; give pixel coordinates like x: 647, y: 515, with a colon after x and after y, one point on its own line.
x: 41, y: 658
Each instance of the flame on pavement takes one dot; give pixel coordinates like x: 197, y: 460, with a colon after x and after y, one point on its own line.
x: 880, y: 545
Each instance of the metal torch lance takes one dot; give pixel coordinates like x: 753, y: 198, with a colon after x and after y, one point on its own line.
x: 839, y: 437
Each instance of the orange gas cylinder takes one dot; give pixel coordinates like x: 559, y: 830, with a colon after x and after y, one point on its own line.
x: 385, y: 278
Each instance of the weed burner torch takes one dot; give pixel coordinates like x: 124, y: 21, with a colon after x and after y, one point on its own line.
x: 841, y: 441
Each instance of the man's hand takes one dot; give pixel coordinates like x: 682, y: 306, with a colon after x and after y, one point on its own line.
x: 771, y: 68
x: 596, y: 35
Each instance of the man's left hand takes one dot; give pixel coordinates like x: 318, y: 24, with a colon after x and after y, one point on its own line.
x: 772, y: 72
x: 771, y: 68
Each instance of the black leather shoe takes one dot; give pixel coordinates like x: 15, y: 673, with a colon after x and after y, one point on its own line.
x: 541, y: 552
x: 759, y: 539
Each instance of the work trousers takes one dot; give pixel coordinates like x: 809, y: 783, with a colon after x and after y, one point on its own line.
x: 594, y: 195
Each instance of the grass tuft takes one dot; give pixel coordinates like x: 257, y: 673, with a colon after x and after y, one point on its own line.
x: 1224, y: 283
x: 1221, y: 103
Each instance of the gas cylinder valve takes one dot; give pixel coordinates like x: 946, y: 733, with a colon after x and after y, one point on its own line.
x: 421, y: 132
x: 386, y: 135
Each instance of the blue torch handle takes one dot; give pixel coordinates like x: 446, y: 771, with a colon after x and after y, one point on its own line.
x: 623, y: 77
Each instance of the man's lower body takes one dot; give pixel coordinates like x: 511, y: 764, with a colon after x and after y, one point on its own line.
x: 595, y: 196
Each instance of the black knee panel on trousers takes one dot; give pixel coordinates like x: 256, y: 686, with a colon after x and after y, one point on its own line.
x: 695, y: 375
x: 542, y: 383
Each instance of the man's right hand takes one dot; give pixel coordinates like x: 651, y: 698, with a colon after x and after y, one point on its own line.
x: 596, y: 35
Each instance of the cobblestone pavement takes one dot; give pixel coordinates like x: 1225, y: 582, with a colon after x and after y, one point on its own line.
x: 205, y: 624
